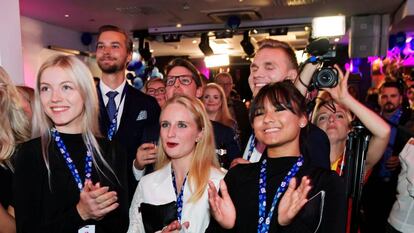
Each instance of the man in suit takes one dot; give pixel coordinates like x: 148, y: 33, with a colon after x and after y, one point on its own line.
x: 183, y: 78
x: 124, y: 111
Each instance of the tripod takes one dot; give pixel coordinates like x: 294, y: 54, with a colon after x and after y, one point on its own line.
x: 355, y: 155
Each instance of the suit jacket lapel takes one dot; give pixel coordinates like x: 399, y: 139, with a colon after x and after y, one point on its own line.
x: 103, y: 115
x: 127, y: 104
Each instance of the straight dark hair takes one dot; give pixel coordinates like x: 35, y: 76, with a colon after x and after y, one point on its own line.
x: 282, y: 95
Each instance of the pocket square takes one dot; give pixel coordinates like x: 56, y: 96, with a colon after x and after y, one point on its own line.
x: 142, y: 115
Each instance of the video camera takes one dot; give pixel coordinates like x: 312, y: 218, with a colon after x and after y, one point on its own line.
x: 326, y: 76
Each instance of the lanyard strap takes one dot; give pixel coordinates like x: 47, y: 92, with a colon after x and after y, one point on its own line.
x: 180, y: 195
x: 69, y: 161
x: 114, y: 122
x: 251, y: 147
x: 264, y: 219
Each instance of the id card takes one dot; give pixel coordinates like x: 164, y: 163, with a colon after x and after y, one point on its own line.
x: 87, y: 229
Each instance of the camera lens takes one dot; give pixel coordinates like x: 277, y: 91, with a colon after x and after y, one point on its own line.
x: 326, y: 78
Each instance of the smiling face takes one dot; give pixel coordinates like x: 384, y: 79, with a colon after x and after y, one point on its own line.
x: 179, y: 132
x: 278, y: 128
x: 111, y: 52
x: 269, y: 65
x: 61, y: 100
x: 334, y: 124
x: 212, y: 100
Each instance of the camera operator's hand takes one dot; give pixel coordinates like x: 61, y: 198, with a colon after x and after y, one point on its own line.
x: 304, y: 78
x: 340, y: 93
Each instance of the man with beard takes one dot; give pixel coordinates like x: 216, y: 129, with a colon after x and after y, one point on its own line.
x: 380, y: 189
x: 125, y: 112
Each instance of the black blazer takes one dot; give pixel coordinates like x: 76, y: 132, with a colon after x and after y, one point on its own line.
x: 140, y: 111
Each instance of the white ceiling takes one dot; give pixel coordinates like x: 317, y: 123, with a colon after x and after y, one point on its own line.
x: 161, y: 16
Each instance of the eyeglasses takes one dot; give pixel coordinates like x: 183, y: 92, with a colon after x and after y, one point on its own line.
x: 153, y: 91
x: 185, y: 79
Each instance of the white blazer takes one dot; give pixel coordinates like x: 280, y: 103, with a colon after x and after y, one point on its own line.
x: 157, y: 189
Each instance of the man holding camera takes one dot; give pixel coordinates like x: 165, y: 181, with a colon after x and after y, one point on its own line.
x: 275, y: 61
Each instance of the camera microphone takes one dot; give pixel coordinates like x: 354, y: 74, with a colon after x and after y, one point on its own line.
x: 318, y: 47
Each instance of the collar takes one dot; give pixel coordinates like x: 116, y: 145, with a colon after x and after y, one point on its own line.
x: 105, y: 89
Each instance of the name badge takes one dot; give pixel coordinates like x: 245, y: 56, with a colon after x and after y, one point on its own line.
x: 87, y: 229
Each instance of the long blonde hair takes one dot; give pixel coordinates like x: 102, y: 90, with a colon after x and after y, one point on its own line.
x: 14, y: 125
x: 83, y: 80
x: 204, y: 153
x: 223, y: 115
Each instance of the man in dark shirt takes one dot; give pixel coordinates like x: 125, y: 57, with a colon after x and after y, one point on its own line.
x: 380, y: 190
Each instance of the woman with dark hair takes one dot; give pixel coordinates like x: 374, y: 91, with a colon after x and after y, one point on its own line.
x: 69, y: 179
x: 283, y: 192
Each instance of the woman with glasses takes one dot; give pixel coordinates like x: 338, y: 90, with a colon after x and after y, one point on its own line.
x: 333, y: 115
x: 283, y: 192
x: 69, y: 179
x: 175, y: 195
x: 156, y: 88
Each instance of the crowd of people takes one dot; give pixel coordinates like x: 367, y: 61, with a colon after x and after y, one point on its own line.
x: 80, y: 156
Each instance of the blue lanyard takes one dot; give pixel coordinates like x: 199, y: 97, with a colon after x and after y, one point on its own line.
x: 69, y: 161
x: 264, y: 221
x: 251, y: 147
x: 180, y: 195
x: 112, y: 126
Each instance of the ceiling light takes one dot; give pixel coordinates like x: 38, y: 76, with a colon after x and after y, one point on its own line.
x: 204, y: 45
x: 223, y: 34
x: 278, y: 31
x: 328, y: 26
x: 194, y: 41
x: 178, y: 25
x: 336, y: 39
x: 246, y: 44
x: 217, y: 60
x: 66, y: 16
x: 171, y: 38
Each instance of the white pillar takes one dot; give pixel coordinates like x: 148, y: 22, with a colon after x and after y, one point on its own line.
x: 11, y: 57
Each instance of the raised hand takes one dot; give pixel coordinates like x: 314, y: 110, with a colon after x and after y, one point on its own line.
x: 175, y: 227
x: 221, y: 208
x: 95, y: 201
x: 293, y: 200
x: 340, y: 92
x: 146, y: 154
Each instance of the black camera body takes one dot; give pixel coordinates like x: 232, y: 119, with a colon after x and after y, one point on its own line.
x: 326, y: 76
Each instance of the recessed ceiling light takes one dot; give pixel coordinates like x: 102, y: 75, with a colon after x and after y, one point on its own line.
x: 194, y: 41
x: 151, y: 50
x: 66, y: 16
x: 178, y: 25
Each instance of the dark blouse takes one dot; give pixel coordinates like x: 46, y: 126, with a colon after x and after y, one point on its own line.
x: 243, y: 186
x: 6, y: 180
x: 43, y: 206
